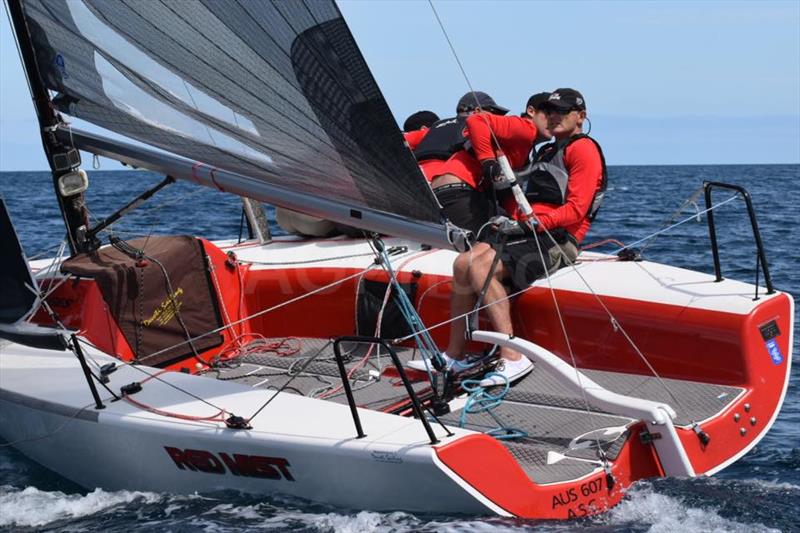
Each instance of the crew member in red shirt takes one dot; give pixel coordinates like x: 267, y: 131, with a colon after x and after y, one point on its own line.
x: 565, y: 187
x: 446, y: 158
x: 415, y: 128
x: 516, y: 135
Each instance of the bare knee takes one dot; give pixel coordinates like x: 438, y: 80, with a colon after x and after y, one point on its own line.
x: 481, y: 268
x: 461, y: 268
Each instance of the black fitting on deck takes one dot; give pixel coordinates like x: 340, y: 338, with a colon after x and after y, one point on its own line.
x: 106, y: 370
x: 237, y: 422
x: 130, y: 388
x: 629, y: 254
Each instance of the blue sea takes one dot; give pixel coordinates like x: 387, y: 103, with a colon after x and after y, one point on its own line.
x: 761, y: 492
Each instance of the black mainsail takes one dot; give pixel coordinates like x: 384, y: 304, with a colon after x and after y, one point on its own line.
x: 269, y: 99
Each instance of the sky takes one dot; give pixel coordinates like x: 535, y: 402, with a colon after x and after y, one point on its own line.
x: 665, y: 82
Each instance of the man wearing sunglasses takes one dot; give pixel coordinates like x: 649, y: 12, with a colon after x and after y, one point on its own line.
x: 565, y: 186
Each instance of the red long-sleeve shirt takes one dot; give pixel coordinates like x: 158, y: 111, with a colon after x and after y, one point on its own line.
x: 582, y: 160
x: 414, y: 137
x: 514, y: 134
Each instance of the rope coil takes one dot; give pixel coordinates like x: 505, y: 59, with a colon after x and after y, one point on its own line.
x: 481, y: 401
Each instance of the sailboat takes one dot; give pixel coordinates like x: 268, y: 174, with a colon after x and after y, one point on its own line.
x: 276, y: 365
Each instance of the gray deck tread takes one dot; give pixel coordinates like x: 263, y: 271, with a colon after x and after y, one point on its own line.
x: 572, y: 433
x: 551, y: 417
x: 270, y: 371
x: 695, y: 401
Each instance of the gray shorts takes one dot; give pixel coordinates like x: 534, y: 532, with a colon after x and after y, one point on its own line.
x: 523, y: 261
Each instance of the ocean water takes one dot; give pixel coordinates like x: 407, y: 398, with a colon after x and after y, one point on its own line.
x: 761, y: 492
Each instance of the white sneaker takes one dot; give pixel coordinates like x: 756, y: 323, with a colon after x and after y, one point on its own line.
x: 508, y: 370
x: 457, y: 365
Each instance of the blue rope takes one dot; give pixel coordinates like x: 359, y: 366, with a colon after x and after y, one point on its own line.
x: 480, y: 401
x: 423, y: 338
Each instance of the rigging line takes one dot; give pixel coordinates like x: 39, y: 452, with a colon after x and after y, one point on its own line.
x: 49, y: 270
x: 364, y: 359
x: 46, y: 252
x: 292, y: 378
x: 618, y: 327
x: 464, y: 315
x: 42, y: 295
x: 397, y: 287
x: 191, y: 96
x: 149, y: 229
x: 378, y: 325
x: 691, y: 199
x: 679, y: 223
x: 260, y: 313
x: 463, y: 71
x: 616, y: 324
x: 563, y: 326
x: 526, y: 289
x: 406, y: 307
x: 41, y: 300
x: 157, y: 377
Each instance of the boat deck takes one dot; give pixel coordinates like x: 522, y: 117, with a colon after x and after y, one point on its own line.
x: 560, y: 434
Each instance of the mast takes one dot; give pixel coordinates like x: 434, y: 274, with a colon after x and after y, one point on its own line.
x: 61, y: 158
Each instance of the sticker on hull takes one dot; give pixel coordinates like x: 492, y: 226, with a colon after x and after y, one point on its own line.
x: 770, y: 332
x: 236, y: 464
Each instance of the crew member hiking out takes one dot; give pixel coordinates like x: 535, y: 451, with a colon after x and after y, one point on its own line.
x: 564, y: 188
x: 446, y: 158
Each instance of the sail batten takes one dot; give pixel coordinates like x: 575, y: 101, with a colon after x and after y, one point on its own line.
x: 277, y: 92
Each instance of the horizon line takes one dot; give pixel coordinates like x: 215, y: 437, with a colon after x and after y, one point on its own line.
x: 795, y: 163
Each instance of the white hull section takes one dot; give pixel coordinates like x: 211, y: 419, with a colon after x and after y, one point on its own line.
x: 297, y: 446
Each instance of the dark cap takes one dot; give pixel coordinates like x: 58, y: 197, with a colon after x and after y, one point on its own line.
x: 471, y: 100
x: 420, y: 119
x: 537, y: 100
x: 566, y: 100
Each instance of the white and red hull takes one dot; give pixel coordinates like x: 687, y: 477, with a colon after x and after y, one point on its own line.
x: 689, y: 327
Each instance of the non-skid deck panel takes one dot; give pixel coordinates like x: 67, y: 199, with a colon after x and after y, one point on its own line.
x: 320, y: 377
x: 552, y: 432
x: 695, y: 401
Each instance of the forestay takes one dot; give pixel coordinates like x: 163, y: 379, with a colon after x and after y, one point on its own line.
x: 275, y: 91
